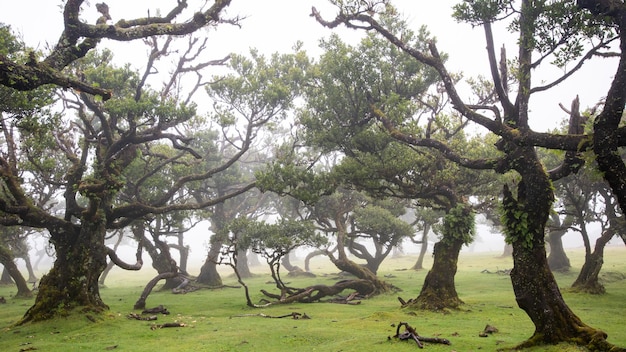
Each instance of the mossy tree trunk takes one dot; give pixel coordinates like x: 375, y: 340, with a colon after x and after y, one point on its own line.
x: 73, y: 280
x: 536, y: 290
x: 439, y: 291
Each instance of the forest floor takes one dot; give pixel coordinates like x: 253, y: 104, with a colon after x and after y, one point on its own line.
x: 219, y: 320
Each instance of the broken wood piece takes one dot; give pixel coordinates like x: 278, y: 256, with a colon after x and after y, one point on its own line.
x: 139, y: 317
x: 410, y: 333
x: 158, y: 309
x: 294, y: 315
x: 489, y: 329
x: 168, y: 325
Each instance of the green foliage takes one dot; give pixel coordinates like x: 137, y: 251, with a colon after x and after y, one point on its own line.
x: 560, y: 29
x: 259, y: 88
x: 381, y: 224
x: 295, y: 180
x: 515, y: 220
x: 459, y: 223
x: 478, y: 12
x: 338, y: 113
x: 272, y: 240
x: 18, y: 103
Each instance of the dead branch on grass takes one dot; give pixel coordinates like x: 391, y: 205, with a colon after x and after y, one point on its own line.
x: 293, y: 315
x: 410, y: 334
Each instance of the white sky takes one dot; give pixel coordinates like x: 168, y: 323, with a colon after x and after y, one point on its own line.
x: 275, y: 25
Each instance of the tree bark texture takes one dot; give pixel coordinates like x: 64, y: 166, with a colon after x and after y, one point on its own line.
x: 439, y: 291
x: 73, y: 279
x: 536, y: 290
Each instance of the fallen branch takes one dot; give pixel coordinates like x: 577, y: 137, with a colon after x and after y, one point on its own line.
x: 155, y: 310
x: 139, y: 317
x: 168, y: 325
x: 315, y: 293
x: 410, y: 334
x: 294, y: 315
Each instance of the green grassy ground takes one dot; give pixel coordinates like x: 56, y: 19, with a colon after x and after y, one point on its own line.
x: 218, y: 320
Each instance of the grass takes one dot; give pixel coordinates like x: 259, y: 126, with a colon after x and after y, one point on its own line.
x: 218, y: 320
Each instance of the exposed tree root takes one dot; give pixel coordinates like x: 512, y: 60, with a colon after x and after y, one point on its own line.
x: 315, y: 293
x: 589, y: 338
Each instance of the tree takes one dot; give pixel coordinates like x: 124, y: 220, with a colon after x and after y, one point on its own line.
x: 103, y: 188
x: 338, y: 119
x: 79, y: 37
x: 257, y: 91
x: 427, y: 218
x: 555, y: 29
x: 19, y: 106
x: 113, y: 136
x: 275, y: 241
x: 607, y: 125
x: 333, y: 215
x: 378, y: 225
x: 611, y: 225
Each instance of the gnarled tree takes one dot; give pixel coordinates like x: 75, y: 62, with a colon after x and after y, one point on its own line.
x: 545, y: 29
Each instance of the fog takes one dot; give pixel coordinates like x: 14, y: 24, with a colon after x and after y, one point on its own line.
x: 486, y: 241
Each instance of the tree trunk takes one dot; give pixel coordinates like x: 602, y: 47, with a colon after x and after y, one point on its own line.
x: 208, y: 272
x: 160, y: 254
x: 183, y: 252
x: 6, y: 259
x: 311, y: 255
x: 439, y: 291
x: 105, y: 273
x: 557, y: 259
x: 73, y: 279
x: 587, y: 280
x: 5, y: 279
x: 507, y: 251
x: 535, y: 288
x: 286, y: 263
x: 343, y: 263
x: 32, y: 278
x: 361, y: 272
x: 242, y: 264
x: 419, y: 264
x: 141, y: 302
